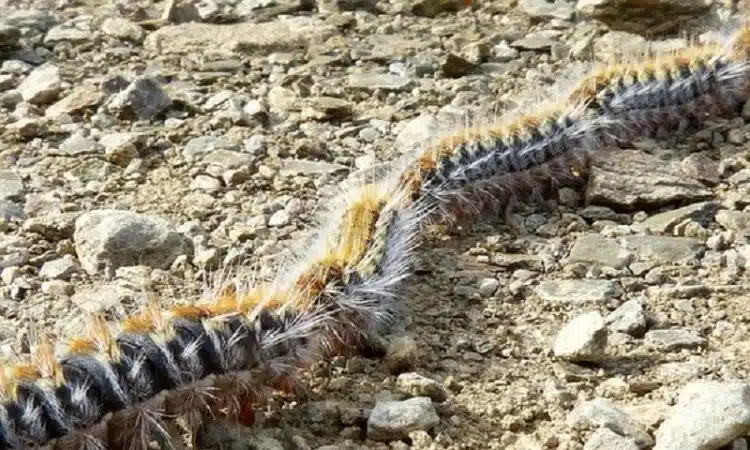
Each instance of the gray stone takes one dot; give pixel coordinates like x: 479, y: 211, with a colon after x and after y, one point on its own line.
x: 10, y: 274
x: 82, y: 98
x: 11, y: 185
x: 665, y: 249
x: 77, y: 144
x: 144, y: 98
x: 632, y: 179
x: 417, y: 385
x: 123, y: 29
x: 38, y: 19
x: 9, y: 35
x: 708, y: 415
x: 416, y: 132
x: 279, y: 219
x: 203, y: 145
x: 42, y: 86
x: 121, y: 148
x: 595, y: 249
x: 601, y: 412
x: 542, y: 9
x: 577, y: 291
x: 674, y: 339
x: 503, y: 52
x: 738, y: 221
x: 60, y: 269
x: 583, y: 339
x: 106, y: 298
x: 616, y: 44
x: 633, y: 16
x: 279, y: 35
x: 295, y: 166
x: 540, y: 40
x: 628, y: 318
x: 394, y: 420
x: 488, y: 286
x: 10, y: 210
x: 229, y: 160
x: 114, y: 238
x: 53, y: 225
x: 206, y: 183
x: 57, y: 288
x: 680, y: 372
x: 664, y: 223
x: 327, y: 108
x: 331, y: 6
x: 380, y: 81
x: 431, y: 8
x: 700, y: 167
x: 75, y: 31
x: 454, y: 66
x: 606, y: 439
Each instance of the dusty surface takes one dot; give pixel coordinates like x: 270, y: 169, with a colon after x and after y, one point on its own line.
x: 224, y: 136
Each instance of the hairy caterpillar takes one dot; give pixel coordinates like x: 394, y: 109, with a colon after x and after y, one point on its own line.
x: 117, y: 388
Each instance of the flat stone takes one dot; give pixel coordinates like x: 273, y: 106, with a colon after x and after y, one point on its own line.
x: 11, y: 185
x: 632, y: 180
x: 664, y: 223
x: 60, y: 269
x: 542, y: 9
x: 204, y: 145
x: 540, y: 40
x: 229, y: 160
x: 305, y: 167
x: 577, y: 291
x: 77, y: 144
x: 381, y: 81
x: 595, y: 249
x: 634, y: 16
x: 601, y: 412
x: 258, y: 39
x: 665, y: 249
x: 76, y: 30
x: 80, y: 99
x: 674, y: 339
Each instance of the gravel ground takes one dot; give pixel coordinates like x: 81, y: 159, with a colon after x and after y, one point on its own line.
x: 147, y: 145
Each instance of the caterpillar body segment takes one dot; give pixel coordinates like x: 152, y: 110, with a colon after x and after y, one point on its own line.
x: 666, y: 90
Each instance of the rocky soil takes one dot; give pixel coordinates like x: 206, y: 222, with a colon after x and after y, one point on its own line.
x: 147, y: 145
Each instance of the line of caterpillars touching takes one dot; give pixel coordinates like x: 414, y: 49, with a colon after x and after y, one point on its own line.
x: 223, y: 357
